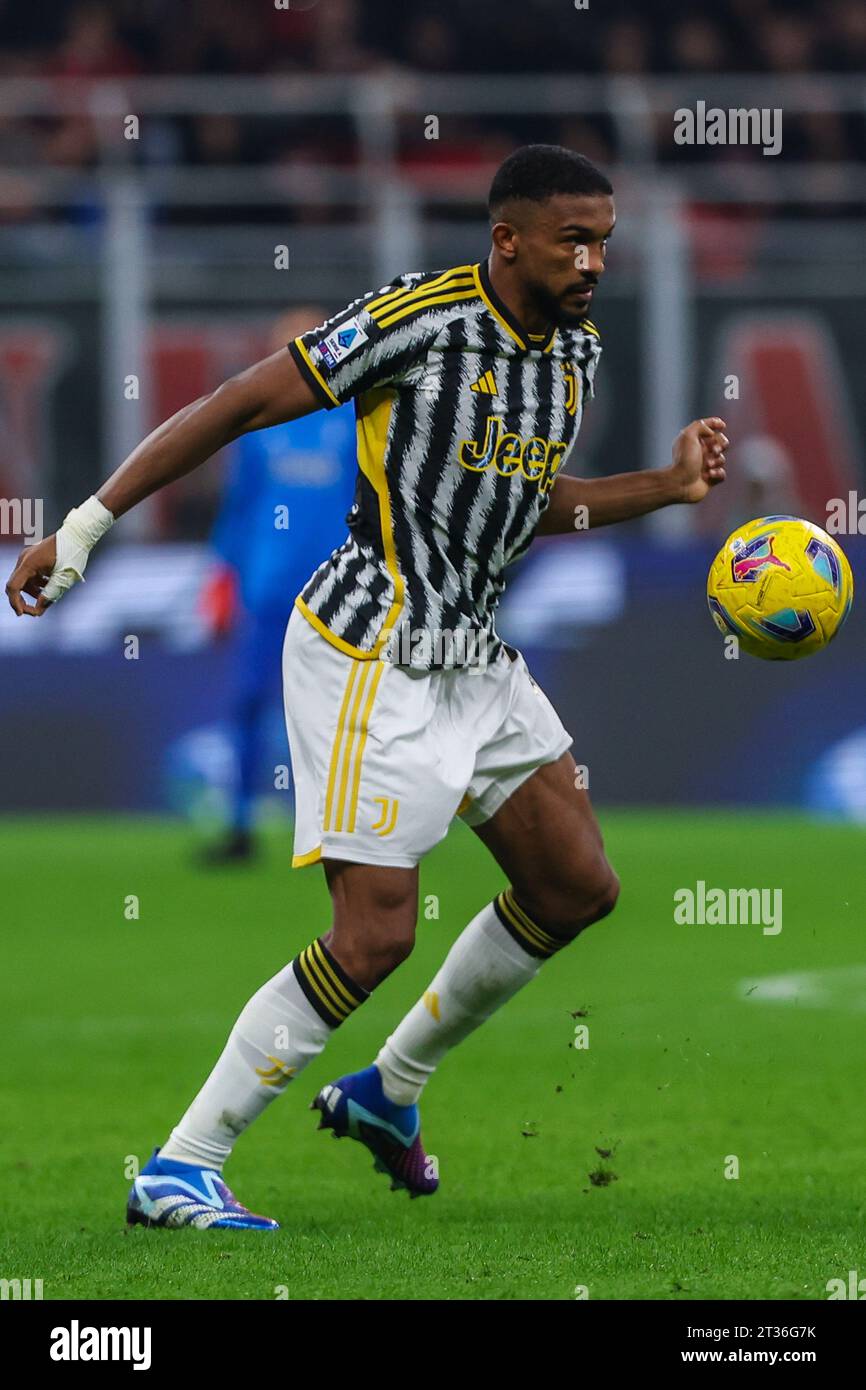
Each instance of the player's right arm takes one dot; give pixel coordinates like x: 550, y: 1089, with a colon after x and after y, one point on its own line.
x: 271, y: 392
x: 370, y: 342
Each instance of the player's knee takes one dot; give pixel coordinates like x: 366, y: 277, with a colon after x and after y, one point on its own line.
x: 395, y: 950
x: 372, y: 944
x: 375, y: 912
x: 382, y: 953
x: 606, y: 895
x: 392, y: 917
x: 593, y: 897
x: 565, y: 907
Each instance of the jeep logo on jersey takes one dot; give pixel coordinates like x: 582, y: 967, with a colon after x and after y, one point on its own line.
x: 536, y: 458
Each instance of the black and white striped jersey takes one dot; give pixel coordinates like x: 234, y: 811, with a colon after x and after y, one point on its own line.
x: 464, y: 421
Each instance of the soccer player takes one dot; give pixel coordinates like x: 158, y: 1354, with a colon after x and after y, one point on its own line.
x: 404, y: 708
x: 284, y: 507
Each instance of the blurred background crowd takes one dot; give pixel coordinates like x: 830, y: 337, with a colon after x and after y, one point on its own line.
x: 81, y: 38
x: 84, y: 40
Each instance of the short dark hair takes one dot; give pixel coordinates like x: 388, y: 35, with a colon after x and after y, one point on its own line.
x: 537, y: 172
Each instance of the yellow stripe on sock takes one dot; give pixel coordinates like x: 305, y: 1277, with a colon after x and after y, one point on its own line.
x: 527, y: 920
x: 333, y: 978
x: 529, y: 932
x: 321, y: 987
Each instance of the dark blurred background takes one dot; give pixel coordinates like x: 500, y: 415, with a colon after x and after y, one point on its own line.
x: 173, y: 178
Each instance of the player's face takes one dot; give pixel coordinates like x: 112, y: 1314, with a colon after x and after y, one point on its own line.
x: 562, y: 247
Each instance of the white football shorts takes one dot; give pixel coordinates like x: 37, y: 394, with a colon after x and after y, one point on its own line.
x: 384, y: 757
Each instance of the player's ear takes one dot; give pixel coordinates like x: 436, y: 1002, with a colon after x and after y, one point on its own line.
x: 504, y: 236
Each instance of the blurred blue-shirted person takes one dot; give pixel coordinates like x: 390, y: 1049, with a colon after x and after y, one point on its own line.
x: 283, y: 511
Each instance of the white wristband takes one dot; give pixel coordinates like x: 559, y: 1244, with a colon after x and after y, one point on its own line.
x: 75, y: 539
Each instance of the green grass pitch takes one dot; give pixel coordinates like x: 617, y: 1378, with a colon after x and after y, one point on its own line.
x: 111, y: 1024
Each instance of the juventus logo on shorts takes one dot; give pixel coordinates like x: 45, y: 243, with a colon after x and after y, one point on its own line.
x: 388, y: 819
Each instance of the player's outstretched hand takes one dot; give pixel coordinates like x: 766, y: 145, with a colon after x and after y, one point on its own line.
x: 30, y: 575
x: 699, y: 457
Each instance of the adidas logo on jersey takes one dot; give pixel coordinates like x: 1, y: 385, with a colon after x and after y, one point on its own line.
x: 485, y: 385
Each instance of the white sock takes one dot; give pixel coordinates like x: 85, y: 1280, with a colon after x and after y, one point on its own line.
x: 278, y: 1032
x: 484, y: 968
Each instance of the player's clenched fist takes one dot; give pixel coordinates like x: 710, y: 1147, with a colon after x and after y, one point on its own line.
x: 699, y: 457
x: 45, y: 571
x: 30, y: 575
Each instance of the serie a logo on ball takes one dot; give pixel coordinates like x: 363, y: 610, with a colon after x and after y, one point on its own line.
x: 782, y: 586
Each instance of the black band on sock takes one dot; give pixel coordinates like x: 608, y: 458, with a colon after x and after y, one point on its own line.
x: 522, y: 929
x: 326, y: 985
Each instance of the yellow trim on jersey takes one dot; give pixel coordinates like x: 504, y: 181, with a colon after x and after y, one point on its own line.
x: 465, y: 803
x: 342, y: 646
x: 590, y: 328
x: 314, y: 369
x: 403, y: 310
x: 388, y: 300
x: 494, y: 311
x: 300, y: 861
x: 374, y: 418
x: 402, y: 291
x: 540, y: 337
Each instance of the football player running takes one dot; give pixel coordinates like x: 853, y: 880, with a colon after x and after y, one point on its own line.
x: 403, y: 706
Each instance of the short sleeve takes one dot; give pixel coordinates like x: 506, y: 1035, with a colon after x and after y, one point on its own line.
x: 371, y: 342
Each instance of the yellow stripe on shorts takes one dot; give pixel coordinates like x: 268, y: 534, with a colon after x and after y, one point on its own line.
x: 344, y: 773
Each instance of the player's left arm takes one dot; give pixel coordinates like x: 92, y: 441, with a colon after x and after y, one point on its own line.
x: 698, y: 465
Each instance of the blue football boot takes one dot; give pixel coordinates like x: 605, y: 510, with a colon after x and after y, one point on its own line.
x: 173, y: 1194
x: 356, y: 1106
